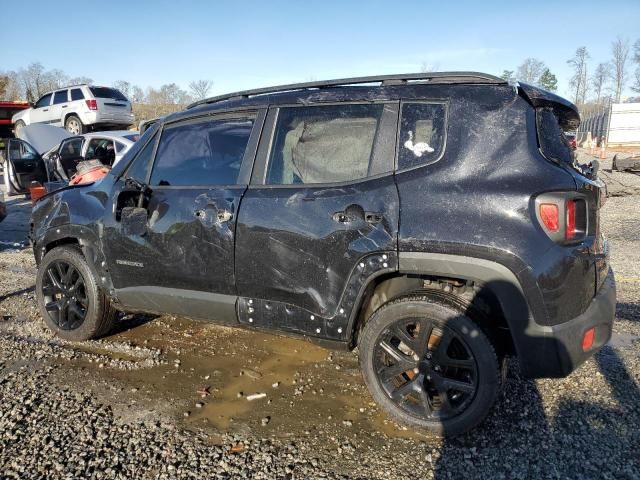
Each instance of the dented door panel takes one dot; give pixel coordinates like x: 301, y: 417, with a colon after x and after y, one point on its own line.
x: 185, y: 246
x: 302, y: 247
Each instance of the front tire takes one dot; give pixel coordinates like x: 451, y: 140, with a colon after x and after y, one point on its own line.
x: 74, y: 125
x: 70, y: 301
x: 428, y: 365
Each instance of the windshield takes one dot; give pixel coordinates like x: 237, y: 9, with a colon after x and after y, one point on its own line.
x: 105, y: 92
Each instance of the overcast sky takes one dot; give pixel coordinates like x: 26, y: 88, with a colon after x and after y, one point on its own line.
x: 248, y: 44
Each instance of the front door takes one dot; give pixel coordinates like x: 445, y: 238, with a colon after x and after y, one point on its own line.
x: 320, y: 218
x: 40, y: 112
x: 23, y: 165
x: 183, y: 261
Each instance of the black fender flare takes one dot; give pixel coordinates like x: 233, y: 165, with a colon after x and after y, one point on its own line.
x: 89, y: 243
x: 503, y: 283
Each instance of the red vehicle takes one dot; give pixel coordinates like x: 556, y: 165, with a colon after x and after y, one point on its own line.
x: 7, y: 110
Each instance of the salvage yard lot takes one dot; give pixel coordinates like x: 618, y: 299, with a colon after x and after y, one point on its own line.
x: 166, y: 397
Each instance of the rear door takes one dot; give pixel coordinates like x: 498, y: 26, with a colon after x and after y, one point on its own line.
x: 23, y: 165
x: 184, y: 262
x: 320, y: 217
x: 58, y: 107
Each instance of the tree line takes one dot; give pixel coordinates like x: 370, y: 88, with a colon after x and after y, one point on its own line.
x: 589, y: 87
x: 33, y: 81
x: 596, y: 88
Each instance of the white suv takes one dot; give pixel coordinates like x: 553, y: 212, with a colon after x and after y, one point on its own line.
x: 78, y: 108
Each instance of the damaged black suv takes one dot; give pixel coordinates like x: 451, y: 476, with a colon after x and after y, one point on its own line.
x: 438, y: 222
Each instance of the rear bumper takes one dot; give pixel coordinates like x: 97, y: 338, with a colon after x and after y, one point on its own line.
x: 118, y: 118
x: 557, y: 351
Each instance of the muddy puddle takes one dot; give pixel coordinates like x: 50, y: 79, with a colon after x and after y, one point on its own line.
x: 224, y: 380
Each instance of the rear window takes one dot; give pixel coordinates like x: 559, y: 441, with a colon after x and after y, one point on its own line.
x: 105, y: 92
x: 134, y: 138
x: 552, y: 139
x: 76, y: 94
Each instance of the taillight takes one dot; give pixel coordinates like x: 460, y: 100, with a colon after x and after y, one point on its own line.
x: 562, y: 216
x: 92, y: 104
x: 570, y: 230
x: 588, y: 339
x: 549, y: 216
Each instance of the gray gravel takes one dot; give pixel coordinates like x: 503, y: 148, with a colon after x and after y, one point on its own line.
x: 72, y: 411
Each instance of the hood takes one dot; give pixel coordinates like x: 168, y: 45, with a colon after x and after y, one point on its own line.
x: 43, y: 137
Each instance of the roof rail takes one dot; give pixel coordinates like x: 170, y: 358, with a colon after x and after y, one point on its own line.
x: 398, y: 79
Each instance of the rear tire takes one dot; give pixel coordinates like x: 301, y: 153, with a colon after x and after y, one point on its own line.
x: 69, y: 299
x: 19, y: 125
x: 428, y: 365
x: 73, y: 125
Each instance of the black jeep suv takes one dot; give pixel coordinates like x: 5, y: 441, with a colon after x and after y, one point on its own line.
x: 436, y: 221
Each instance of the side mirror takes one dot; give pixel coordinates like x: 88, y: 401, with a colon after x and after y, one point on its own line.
x: 134, y: 220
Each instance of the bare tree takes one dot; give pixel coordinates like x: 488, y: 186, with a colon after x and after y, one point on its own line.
x: 579, y: 79
x: 427, y: 67
x: 79, y: 80
x: 34, y: 81
x: 199, y: 89
x: 530, y: 71
x: 124, y: 87
x: 137, y: 94
x: 636, y: 58
x: 599, y: 79
x: 620, y: 53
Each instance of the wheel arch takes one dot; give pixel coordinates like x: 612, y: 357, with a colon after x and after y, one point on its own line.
x: 487, y: 289
x: 85, y: 240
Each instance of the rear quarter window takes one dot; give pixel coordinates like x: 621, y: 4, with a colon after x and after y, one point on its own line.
x: 76, y: 94
x: 422, y: 134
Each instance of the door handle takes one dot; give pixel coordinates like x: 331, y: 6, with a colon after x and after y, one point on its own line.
x: 64, y: 106
x: 45, y: 110
x: 373, y: 217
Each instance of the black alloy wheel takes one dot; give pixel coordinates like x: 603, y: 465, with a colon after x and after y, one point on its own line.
x: 65, y: 295
x: 426, y: 368
x: 429, y: 365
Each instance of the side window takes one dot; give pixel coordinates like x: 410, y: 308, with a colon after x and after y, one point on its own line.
x: 19, y: 150
x: 203, y: 153
x: 119, y: 147
x: 422, y: 134
x: 76, y: 94
x: 91, y: 147
x: 140, y: 165
x: 71, y: 148
x: 60, y: 97
x: 44, y: 101
x: 323, y: 144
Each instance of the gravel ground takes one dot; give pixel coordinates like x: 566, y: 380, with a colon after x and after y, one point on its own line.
x: 125, y: 406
